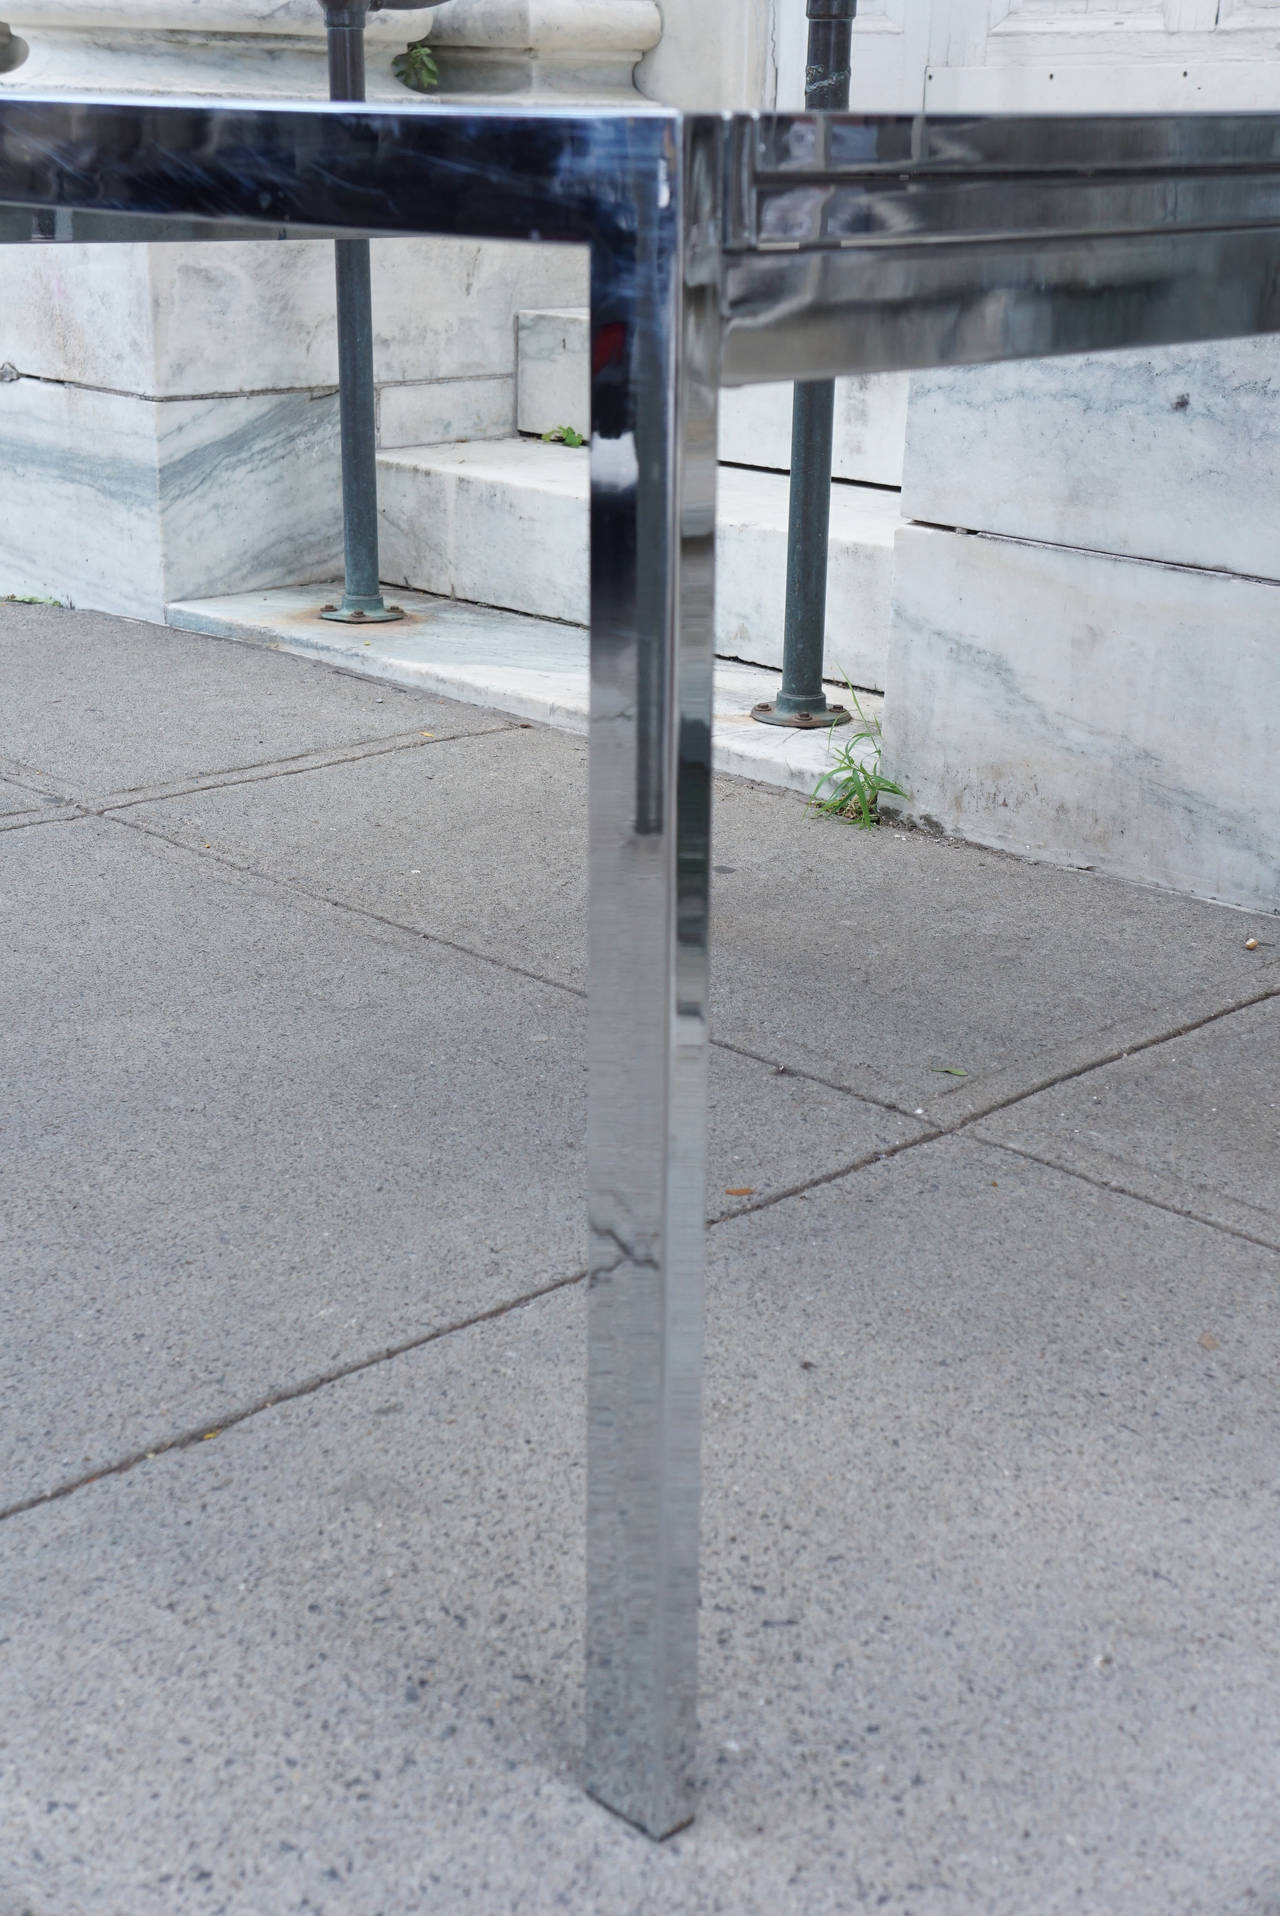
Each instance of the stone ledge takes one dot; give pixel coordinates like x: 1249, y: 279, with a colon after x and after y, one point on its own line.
x: 551, y: 26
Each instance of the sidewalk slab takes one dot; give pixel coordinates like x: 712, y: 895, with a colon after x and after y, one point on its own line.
x: 989, y: 1601
x: 904, y: 958
x: 1193, y: 1123
x: 532, y: 668
x: 19, y: 801
x: 101, y: 705
x: 249, y: 1139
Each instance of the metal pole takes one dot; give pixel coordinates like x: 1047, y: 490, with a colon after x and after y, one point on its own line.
x: 801, y: 701
x: 13, y: 51
x: 362, y: 601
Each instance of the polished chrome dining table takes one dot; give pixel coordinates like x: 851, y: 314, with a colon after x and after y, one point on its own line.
x: 725, y: 249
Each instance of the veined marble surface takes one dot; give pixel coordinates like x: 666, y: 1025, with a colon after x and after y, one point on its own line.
x: 1172, y: 454
x: 428, y: 412
x: 79, y: 498
x: 81, y: 313
x: 870, y: 426
x: 1090, y: 710
x: 505, y: 524
x: 250, y: 491
x: 755, y: 421
x: 249, y: 316
x: 122, y: 504
x: 553, y: 374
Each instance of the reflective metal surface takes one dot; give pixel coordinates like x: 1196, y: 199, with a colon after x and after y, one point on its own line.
x: 654, y: 352
x: 861, y: 244
x: 722, y: 250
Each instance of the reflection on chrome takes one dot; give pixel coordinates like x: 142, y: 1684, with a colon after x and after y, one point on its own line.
x: 724, y: 250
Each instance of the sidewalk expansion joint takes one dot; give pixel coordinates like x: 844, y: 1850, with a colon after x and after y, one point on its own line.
x: 258, y: 773
x: 219, y: 1423
x: 287, y: 1394
x: 1103, y: 1182
x: 353, y: 910
x: 981, y: 1107
x: 66, y: 814
x: 938, y: 1122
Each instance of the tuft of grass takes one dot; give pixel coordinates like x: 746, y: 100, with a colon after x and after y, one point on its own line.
x: 563, y: 436
x: 852, y: 787
x: 27, y: 598
x: 416, y: 67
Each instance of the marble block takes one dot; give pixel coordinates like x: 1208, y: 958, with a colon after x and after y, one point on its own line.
x: 1172, y: 454
x: 250, y: 491
x: 250, y: 316
x: 755, y: 421
x: 431, y: 411
x: 80, y: 313
x: 505, y: 524
x: 121, y: 503
x: 79, y: 497
x: 1089, y: 710
x: 447, y: 307
x: 553, y: 383
x: 870, y: 423
x: 501, y: 524
x: 751, y: 574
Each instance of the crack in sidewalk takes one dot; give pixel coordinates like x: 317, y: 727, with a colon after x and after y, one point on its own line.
x: 937, y: 1125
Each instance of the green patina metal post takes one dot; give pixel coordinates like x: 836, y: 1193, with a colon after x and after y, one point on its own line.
x: 801, y: 701
x: 13, y: 51
x: 362, y: 601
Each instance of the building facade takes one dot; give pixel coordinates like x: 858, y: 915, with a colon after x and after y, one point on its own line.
x: 1063, y: 575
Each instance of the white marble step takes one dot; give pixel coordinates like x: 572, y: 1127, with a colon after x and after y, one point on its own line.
x: 528, y: 667
x: 552, y: 390
x: 504, y: 523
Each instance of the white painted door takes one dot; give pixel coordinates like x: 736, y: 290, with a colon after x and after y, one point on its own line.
x: 1102, y: 56
x: 1042, y: 56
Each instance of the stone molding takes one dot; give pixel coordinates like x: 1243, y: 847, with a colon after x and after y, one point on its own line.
x: 568, y: 50
x: 614, y: 27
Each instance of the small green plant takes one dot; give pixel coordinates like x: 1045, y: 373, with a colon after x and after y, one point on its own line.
x: 563, y: 436
x: 855, y: 779
x: 416, y: 67
x: 28, y: 598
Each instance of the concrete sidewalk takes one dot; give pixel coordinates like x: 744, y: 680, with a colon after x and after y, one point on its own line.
x: 291, y: 1408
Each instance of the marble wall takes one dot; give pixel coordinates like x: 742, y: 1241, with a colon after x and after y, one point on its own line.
x: 194, y: 387
x: 125, y: 503
x: 1172, y: 454
x: 167, y: 413
x: 870, y: 424
x: 274, y: 49
x: 1089, y: 709
x: 1084, y: 657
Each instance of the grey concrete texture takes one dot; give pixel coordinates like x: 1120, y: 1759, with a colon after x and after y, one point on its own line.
x: 19, y: 798
x: 906, y: 960
x: 99, y: 705
x: 989, y: 1605
x: 249, y: 1139
x: 291, y: 1166
x: 1193, y: 1123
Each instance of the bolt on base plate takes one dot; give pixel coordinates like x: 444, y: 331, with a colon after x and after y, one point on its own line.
x: 768, y: 714
x: 362, y: 615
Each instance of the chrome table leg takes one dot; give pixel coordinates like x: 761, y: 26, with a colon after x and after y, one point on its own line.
x: 655, y: 358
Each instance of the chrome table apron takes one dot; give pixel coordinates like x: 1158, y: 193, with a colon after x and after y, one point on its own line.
x: 724, y: 250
